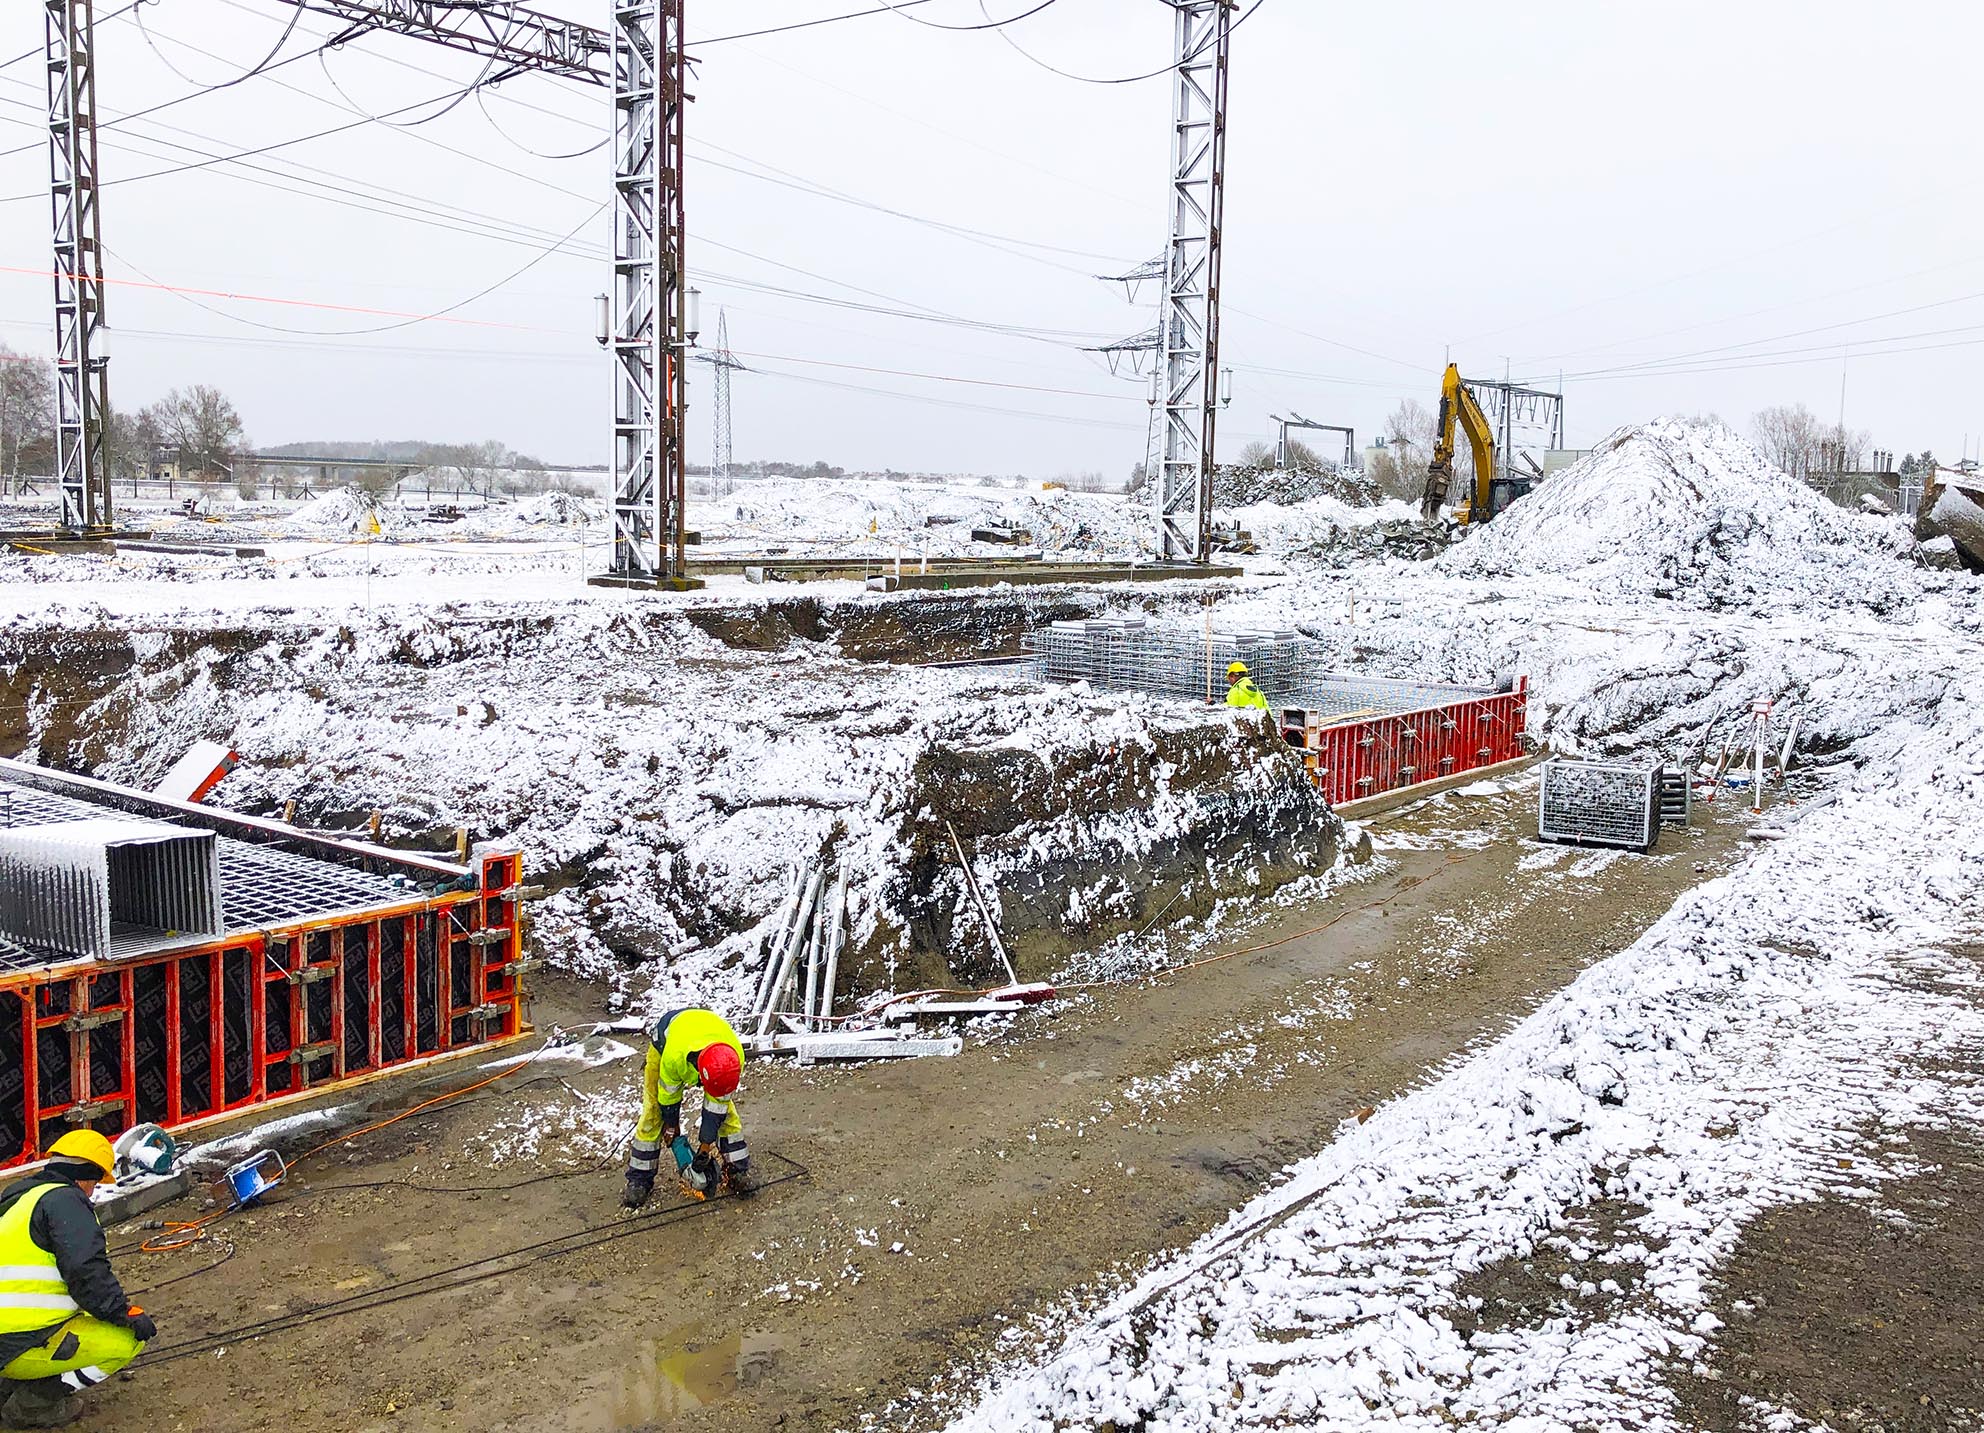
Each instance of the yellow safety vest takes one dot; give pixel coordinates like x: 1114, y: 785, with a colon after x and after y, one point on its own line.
x: 33, y: 1293
x: 689, y: 1033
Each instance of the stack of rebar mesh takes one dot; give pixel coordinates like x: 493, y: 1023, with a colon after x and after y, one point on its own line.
x: 1133, y: 654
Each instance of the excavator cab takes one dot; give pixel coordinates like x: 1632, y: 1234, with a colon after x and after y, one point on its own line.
x: 1491, y: 491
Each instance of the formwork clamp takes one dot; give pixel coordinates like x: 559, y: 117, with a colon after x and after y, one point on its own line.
x: 91, y: 1110
x: 495, y: 935
x: 494, y: 1010
x: 305, y: 1054
x: 520, y: 893
x: 91, y: 1020
x: 309, y: 974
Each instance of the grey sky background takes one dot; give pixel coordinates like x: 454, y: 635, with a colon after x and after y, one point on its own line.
x: 1690, y: 208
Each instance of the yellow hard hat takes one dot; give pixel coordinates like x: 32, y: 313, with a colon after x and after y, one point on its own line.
x: 1236, y: 669
x: 87, y: 1147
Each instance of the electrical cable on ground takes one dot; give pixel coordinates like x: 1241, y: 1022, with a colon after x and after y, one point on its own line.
x: 473, y: 1271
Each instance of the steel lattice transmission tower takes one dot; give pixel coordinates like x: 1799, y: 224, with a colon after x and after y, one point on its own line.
x: 1189, y: 321
x: 82, y: 388
x: 649, y: 335
x: 723, y: 361
x: 649, y: 325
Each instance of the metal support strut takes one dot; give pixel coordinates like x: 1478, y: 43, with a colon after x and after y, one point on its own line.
x: 82, y: 390
x: 1188, y: 387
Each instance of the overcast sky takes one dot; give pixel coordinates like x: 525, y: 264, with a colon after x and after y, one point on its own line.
x: 1754, y: 198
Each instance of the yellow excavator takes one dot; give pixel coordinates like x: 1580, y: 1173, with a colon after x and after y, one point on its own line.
x: 1492, y: 491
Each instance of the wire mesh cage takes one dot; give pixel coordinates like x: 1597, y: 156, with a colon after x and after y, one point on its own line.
x: 1600, y: 803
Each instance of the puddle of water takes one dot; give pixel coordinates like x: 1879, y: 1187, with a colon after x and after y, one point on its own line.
x: 686, y: 1369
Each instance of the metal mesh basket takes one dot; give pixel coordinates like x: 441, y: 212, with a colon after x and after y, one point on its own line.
x: 1600, y: 803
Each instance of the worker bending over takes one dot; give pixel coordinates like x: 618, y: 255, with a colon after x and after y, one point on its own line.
x: 690, y: 1047
x: 65, y: 1324
x: 1240, y: 688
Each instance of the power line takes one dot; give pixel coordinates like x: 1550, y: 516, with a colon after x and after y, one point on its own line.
x: 1734, y: 348
x: 407, y: 321
x: 1120, y: 79
x: 809, y: 24
x: 296, y: 14
x: 990, y: 23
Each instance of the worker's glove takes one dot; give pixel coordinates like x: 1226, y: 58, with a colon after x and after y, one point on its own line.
x: 684, y: 1155
x: 143, y: 1327
x: 703, y: 1171
x: 639, y: 1186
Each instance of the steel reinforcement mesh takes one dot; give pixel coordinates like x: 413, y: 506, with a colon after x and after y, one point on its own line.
x: 1608, y: 803
x: 1132, y: 654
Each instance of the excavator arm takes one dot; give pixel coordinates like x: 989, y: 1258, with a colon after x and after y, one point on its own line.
x: 1458, y: 409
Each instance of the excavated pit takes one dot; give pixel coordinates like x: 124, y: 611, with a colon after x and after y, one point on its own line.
x: 663, y: 769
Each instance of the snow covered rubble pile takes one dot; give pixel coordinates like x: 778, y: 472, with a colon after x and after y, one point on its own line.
x: 1817, y: 609
x: 545, y: 510
x: 350, y: 509
x: 1692, y: 511
x: 938, y: 519
x: 1761, y: 1044
x: 1234, y: 486
x: 663, y: 783
x: 1338, y: 533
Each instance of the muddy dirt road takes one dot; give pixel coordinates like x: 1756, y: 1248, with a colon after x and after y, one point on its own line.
x: 944, y: 1202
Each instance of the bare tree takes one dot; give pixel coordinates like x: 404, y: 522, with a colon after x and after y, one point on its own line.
x: 1407, y: 447
x: 27, y: 417
x: 1789, y: 435
x: 1257, y: 455
x: 202, y: 424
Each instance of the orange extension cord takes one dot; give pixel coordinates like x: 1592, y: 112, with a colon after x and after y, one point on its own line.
x: 184, y: 1234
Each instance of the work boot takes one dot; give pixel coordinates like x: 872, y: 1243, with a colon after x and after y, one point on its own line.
x: 639, y: 1187
x: 742, y: 1180
x: 41, y: 1403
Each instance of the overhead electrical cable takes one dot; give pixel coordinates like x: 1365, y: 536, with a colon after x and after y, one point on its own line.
x: 183, y: 291
x: 442, y: 315
x: 138, y: 14
x: 990, y: 23
x: 269, y: 148
x: 1204, y: 45
x: 482, y: 103
x: 809, y: 24
x: 1735, y: 348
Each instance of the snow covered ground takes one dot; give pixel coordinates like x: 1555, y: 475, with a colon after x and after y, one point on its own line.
x: 1753, y: 1047
x: 1762, y: 1043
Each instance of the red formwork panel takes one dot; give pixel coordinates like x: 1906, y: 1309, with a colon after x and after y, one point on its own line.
x: 1353, y: 758
x: 185, y: 1036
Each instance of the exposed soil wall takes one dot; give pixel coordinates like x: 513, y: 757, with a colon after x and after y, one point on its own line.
x: 1077, y: 845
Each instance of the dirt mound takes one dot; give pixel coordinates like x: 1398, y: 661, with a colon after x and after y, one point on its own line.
x: 1692, y: 510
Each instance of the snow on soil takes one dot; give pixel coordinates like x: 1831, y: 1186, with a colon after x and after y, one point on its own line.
x: 1734, y: 1058
x: 1754, y: 1047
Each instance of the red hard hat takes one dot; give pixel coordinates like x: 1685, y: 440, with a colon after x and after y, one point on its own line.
x: 718, y: 1070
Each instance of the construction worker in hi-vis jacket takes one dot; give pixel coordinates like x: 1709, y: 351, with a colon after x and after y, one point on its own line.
x: 65, y: 1324
x: 691, y: 1047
